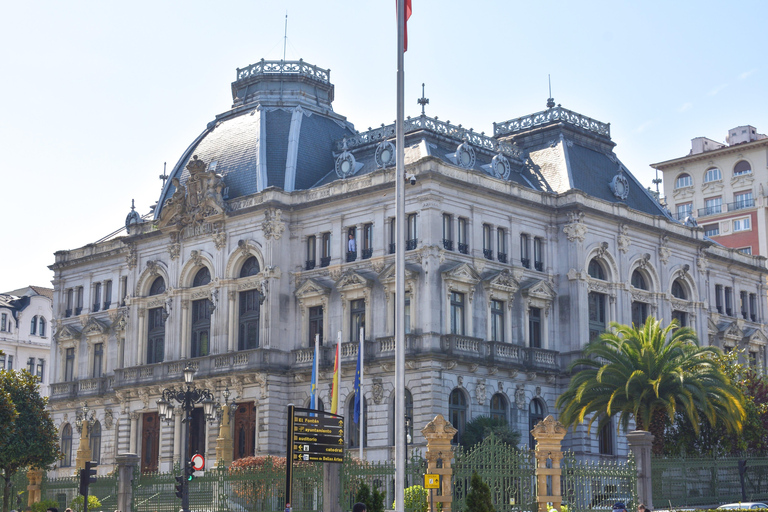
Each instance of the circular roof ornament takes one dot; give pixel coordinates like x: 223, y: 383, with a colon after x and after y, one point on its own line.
x: 385, y: 154
x: 500, y: 166
x: 345, y: 162
x: 465, y: 155
x: 620, y: 186
x: 132, y: 218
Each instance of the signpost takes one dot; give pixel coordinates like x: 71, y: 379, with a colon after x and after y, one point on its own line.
x: 313, y: 436
x: 431, y: 482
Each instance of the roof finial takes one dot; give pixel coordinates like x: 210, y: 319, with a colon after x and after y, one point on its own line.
x: 285, y: 35
x: 422, y: 101
x: 133, y: 206
x: 163, y: 176
x: 550, y: 100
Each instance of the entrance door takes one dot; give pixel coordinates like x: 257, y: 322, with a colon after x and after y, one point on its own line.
x: 150, y: 441
x: 245, y: 430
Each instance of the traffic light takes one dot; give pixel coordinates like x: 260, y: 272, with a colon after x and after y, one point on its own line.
x: 189, y: 472
x: 180, y: 486
x: 87, y: 477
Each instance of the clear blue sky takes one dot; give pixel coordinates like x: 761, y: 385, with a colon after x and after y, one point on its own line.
x: 96, y: 95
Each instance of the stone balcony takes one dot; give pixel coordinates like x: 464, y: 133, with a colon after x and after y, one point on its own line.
x: 83, y: 388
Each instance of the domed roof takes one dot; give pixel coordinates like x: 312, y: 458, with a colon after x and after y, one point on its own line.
x: 280, y: 132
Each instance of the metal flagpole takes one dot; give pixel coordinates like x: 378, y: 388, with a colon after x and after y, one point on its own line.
x: 360, y: 390
x: 400, y: 268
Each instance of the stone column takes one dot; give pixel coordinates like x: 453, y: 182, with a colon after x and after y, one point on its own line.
x: 224, y: 441
x: 549, y: 434
x: 134, y: 431
x: 178, y: 415
x: 232, y: 321
x: 640, y: 443
x: 126, y: 465
x: 84, y: 449
x: 439, y: 433
x: 35, y: 478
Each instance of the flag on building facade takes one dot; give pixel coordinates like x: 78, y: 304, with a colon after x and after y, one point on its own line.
x: 335, y: 382
x: 313, y: 385
x: 358, y: 398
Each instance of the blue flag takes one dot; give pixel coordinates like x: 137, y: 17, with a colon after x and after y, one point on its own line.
x: 313, y: 385
x: 357, y: 389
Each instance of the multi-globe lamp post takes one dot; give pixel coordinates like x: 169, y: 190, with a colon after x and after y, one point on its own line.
x: 188, y: 396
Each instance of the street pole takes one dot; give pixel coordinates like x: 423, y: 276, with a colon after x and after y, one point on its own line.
x: 187, y: 406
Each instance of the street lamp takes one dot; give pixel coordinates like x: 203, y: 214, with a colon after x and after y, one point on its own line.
x: 187, y: 398
x: 408, y: 440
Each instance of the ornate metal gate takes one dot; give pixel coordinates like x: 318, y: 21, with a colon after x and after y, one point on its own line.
x: 597, y: 485
x: 508, y: 471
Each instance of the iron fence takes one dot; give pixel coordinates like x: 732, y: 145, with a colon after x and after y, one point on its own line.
x: 64, y: 490
x: 377, y: 475
x: 594, y: 485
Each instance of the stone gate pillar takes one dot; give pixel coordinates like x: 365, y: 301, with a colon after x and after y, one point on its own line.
x: 35, y: 478
x: 549, y: 434
x: 640, y: 443
x: 126, y: 465
x: 439, y: 433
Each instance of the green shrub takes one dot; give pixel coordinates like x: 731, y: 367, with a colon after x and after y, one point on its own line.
x: 374, y: 501
x: 479, y: 496
x: 77, y: 504
x: 415, y: 499
x: 42, y: 506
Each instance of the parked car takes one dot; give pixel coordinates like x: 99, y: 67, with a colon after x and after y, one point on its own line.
x: 743, y: 505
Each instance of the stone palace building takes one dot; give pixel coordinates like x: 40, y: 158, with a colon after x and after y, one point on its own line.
x: 277, y: 224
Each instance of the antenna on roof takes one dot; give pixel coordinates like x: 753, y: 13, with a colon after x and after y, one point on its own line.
x: 163, y: 176
x: 550, y: 100
x: 285, y: 36
x: 656, y: 182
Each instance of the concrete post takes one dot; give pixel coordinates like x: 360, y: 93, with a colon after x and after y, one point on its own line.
x: 126, y: 465
x: 331, y: 487
x: 549, y: 434
x: 439, y: 433
x: 640, y: 442
x: 35, y: 478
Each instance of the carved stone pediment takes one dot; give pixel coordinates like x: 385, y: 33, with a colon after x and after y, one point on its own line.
x: 756, y: 338
x: 464, y: 273
x: 95, y: 327
x: 352, y: 280
x: 712, y: 327
x: 68, y: 332
x: 503, y: 285
x: 681, y: 305
x: 387, y: 278
x: 731, y: 331
x: 201, y: 198
x: 539, y: 289
x: 641, y: 295
x: 311, y: 288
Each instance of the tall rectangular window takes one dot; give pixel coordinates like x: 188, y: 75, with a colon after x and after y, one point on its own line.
x: 70, y: 302
x: 96, y: 297
x: 351, y: 244
x: 411, y: 235
x: 325, y: 259
x: 315, y: 324
x: 10, y: 363
x: 31, y: 365
x: 40, y: 369
x: 487, y: 249
x: 713, y: 205
x: 462, y: 236
x: 407, y: 316
x: 392, y: 235
x: 729, y: 301
x: 311, y: 247
x: 69, y: 365
x: 501, y: 245
x: 753, y: 307
x: 155, y: 336
x: 98, y: 360
x: 2, y: 361
x: 367, y: 250
x: 743, y: 200
x: 684, y: 210
x: 356, y: 318
x: 534, y: 327
x: 79, y: 300
x: 250, y: 316
x: 201, y: 327
x: 596, y: 314
x: 497, y: 320
x: 457, y: 313
x: 719, y: 298
x: 107, y: 293
x: 538, y: 254
x: 4, y: 322
x: 744, y: 224
x: 33, y: 325
x: 744, y: 304
x: 447, y: 232
x: 525, y: 255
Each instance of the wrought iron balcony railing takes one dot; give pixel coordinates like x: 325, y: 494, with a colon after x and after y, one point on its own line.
x: 447, y: 244
x: 310, y: 264
x: 502, y: 257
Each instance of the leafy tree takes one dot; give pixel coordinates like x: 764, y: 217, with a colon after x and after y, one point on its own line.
x: 42, y: 506
x: 649, y: 373
x: 479, y: 495
x: 482, y: 426
x: 33, y: 439
x: 77, y: 503
x: 374, y: 501
x: 415, y: 498
x: 713, y: 439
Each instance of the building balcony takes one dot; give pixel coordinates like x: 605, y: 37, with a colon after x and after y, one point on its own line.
x: 309, y: 265
x: 367, y: 253
x: 351, y: 256
x: 411, y: 244
x: 499, y: 353
x: 325, y: 261
x: 447, y: 244
x: 710, y: 210
x: 502, y: 257
x: 488, y: 253
x: 525, y: 262
x: 740, y: 205
x: 81, y: 388
x: 463, y: 248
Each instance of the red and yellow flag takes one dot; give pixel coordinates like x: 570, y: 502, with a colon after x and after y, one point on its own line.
x: 335, y: 383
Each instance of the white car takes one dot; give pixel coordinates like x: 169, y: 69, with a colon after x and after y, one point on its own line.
x: 743, y: 505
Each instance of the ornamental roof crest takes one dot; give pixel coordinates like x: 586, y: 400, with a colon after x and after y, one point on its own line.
x: 439, y: 425
x: 199, y: 200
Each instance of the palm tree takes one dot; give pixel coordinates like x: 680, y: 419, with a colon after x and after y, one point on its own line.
x: 647, y: 373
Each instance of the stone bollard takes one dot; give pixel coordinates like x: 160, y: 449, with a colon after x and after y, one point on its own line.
x: 126, y: 465
x: 549, y: 434
x: 439, y: 432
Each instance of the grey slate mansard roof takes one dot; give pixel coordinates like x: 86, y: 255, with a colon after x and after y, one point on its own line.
x: 282, y: 132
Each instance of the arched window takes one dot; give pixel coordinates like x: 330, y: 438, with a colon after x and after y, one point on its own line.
x: 41, y: 326
x: 596, y: 269
x: 353, y: 438
x: 250, y: 267
x: 499, y: 407
x: 202, y: 277
x: 66, y: 446
x: 684, y: 180
x: 638, y: 280
x: 457, y: 412
x: 33, y: 325
x: 158, y: 286
x: 713, y: 174
x: 408, y: 414
x: 535, y: 415
x: 678, y: 290
x: 95, y: 442
x: 742, y: 167
x: 250, y: 317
